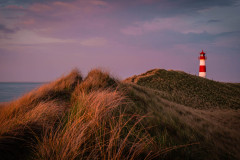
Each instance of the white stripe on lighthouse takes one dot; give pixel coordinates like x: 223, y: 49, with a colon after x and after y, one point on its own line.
x: 202, y: 74
x: 202, y: 62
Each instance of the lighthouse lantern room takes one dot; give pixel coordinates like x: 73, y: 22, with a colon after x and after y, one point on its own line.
x: 202, y: 67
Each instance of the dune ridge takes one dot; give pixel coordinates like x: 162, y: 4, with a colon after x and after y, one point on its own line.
x: 151, y: 116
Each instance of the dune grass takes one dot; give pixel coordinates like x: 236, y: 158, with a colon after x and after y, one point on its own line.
x: 190, y: 90
x: 95, y: 128
x: 100, y: 117
x: 21, y: 121
x: 74, y: 119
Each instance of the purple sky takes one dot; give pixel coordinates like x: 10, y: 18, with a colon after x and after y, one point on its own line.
x: 41, y: 40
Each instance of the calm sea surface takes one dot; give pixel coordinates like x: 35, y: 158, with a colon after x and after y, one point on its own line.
x: 10, y: 91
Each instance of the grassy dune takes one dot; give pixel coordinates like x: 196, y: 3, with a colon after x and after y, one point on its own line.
x: 100, y: 117
x: 190, y: 90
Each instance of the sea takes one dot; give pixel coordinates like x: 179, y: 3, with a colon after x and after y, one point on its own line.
x: 11, y: 90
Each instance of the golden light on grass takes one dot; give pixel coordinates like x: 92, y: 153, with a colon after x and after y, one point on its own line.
x: 100, y: 117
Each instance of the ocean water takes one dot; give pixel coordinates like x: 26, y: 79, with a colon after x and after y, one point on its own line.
x: 11, y: 91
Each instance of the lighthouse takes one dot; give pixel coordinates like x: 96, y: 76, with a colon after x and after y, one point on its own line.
x: 202, y: 67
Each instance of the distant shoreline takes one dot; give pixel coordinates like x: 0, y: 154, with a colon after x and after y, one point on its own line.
x: 10, y: 91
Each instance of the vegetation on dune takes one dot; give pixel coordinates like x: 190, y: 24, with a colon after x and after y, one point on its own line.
x: 97, y: 79
x: 96, y: 126
x: 190, y: 90
x: 100, y: 117
x: 21, y: 121
x: 174, y: 125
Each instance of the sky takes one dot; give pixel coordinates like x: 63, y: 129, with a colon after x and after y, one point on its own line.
x: 41, y: 40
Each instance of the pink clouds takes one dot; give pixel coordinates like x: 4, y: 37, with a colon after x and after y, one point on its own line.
x: 68, y: 12
x: 28, y: 22
x: 65, y: 5
x: 89, y: 6
x: 149, y: 1
x: 177, y: 24
x: 94, y: 42
x: 60, y: 19
x: 14, y: 7
x: 125, y: 35
x: 37, y: 7
x: 61, y: 23
x: 99, y: 3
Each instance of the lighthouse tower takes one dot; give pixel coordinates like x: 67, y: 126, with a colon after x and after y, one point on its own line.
x: 202, y: 67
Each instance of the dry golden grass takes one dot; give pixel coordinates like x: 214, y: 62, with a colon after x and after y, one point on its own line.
x: 24, y: 119
x: 98, y: 79
x: 102, y: 118
x: 96, y: 128
x: 58, y: 90
x: 71, y: 119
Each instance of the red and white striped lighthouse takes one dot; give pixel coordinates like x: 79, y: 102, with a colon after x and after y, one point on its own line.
x: 202, y: 67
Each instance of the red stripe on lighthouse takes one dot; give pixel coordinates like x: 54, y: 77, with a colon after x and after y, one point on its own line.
x: 202, y: 68
x: 202, y: 57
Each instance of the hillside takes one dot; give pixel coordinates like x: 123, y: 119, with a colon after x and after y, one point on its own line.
x: 190, y: 90
x: 100, y: 117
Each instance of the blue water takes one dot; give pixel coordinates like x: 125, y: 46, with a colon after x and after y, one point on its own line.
x: 10, y: 91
